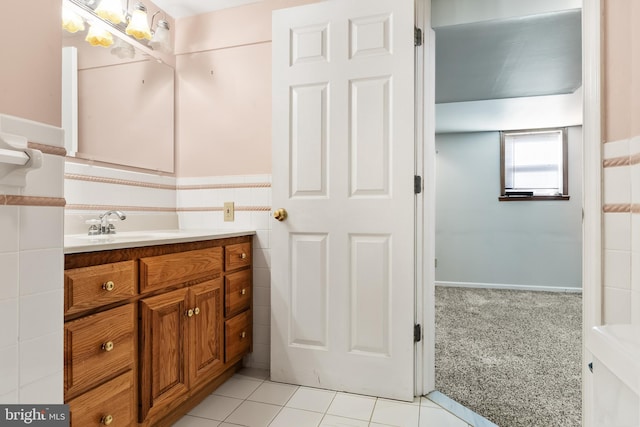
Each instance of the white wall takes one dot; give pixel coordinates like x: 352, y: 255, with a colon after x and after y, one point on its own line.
x: 481, y: 240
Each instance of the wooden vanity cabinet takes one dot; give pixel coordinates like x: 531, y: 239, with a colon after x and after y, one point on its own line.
x: 177, y: 321
x: 181, y: 342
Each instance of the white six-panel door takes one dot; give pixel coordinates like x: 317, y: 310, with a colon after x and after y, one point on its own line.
x: 342, y: 261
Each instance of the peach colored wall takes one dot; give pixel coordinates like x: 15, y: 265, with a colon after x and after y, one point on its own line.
x: 223, y: 65
x: 30, y: 73
x: 622, y: 69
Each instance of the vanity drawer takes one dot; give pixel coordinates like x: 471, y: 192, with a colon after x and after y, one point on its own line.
x: 237, y: 256
x: 98, y: 285
x: 237, y: 292
x: 237, y: 336
x: 113, y: 401
x: 98, y: 346
x: 165, y: 270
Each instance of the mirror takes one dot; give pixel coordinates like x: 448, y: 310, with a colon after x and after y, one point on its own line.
x: 125, y: 107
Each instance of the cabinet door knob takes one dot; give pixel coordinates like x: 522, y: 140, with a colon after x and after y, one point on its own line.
x: 108, y: 346
x: 196, y: 311
x: 243, y: 334
x: 243, y: 255
x: 106, y: 420
x: 108, y: 286
x: 189, y: 313
x: 243, y: 291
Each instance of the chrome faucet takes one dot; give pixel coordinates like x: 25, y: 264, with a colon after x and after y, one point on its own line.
x: 105, y: 227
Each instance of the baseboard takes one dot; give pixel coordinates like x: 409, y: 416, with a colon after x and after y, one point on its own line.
x: 508, y: 286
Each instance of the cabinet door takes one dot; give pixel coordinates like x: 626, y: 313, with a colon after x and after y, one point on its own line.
x: 206, y: 330
x: 163, y: 365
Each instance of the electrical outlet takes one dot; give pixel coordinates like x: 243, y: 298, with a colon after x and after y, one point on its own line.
x: 228, y: 211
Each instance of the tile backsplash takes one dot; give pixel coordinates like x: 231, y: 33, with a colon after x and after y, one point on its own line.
x: 31, y: 285
x: 199, y: 205
x: 621, y: 293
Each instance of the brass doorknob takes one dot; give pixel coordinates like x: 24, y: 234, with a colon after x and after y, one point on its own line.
x: 108, y: 286
x: 108, y: 346
x: 196, y: 311
x: 189, y: 313
x: 280, y: 214
x: 106, y: 420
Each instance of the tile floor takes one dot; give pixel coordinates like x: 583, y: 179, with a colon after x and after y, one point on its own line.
x: 250, y: 399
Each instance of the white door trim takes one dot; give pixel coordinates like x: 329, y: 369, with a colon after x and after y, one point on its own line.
x: 425, y: 209
x: 592, y: 202
x: 592, y: 191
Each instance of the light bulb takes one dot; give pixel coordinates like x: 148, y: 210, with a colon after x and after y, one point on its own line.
x: 99, y: 37
x: 138, y: 26
x: 111, y: 10
x: 160, y: 40
x: 71, y: 21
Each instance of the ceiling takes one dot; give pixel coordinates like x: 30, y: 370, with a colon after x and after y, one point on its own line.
x: 509, y: 58
x: 182, y: 8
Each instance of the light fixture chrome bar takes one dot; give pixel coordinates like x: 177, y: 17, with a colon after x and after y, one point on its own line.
x: 87, y: 13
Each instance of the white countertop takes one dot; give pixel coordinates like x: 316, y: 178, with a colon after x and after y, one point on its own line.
x: 77, y: 243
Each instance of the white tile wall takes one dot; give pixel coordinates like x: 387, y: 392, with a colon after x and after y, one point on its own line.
x: 260, y: 221
x: 31, y: 283
x: 635, y: 231
x: 622, y: 234
x: 78, y: 192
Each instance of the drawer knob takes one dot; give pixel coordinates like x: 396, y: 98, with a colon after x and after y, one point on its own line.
x: 243, y: 256
x: 243, y: 291
x: 243, y: 334
x: 196, y: 311
x: 108, y: 286
x: 189, y: 313
x: 108, y: 346
x: 106, y: 420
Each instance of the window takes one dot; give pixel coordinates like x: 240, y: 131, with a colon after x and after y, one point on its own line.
x: 533, y: 165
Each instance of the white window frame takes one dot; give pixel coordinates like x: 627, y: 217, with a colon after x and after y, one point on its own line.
x: 511, y: 194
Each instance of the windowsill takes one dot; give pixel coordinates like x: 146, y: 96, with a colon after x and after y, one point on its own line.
x: 523, y: 198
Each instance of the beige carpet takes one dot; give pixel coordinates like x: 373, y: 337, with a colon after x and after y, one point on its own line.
x: 513, y: 357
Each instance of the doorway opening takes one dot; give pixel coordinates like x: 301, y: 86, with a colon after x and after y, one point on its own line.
x: 505, y: 258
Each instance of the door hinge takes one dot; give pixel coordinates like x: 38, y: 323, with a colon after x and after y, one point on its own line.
x: 417, y: 333
x: 417, y: 184
x: 417, y: 36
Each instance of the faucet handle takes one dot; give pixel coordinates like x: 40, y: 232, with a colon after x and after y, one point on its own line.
x: 94, y: 226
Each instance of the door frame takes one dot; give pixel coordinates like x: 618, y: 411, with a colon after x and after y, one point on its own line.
x: 425, y: 201
x: 592, y: 191
x: 592, y: 196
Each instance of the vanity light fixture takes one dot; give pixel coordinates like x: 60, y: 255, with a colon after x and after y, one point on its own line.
x: 138, y: 26
x: 71, y: 21
x: 123, y: 50
x: 98, y: 36
x: 107, y: 18
x: 160, y: 40
x: 111, y: 10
